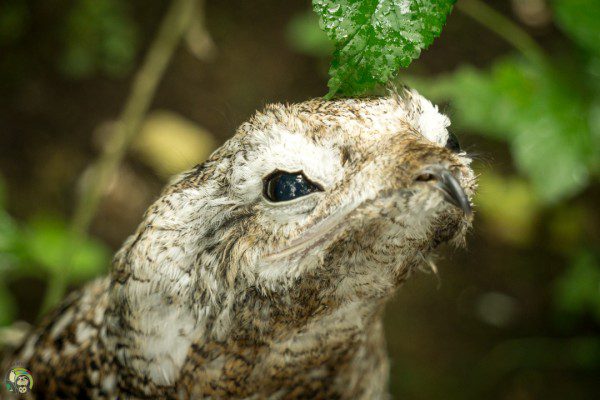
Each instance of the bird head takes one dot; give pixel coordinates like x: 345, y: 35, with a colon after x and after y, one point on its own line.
x: 325, y: 201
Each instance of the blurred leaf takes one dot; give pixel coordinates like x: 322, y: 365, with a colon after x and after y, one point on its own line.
x: 99, y: 35
x: 90, y: 259
x: 13, y: 20
x: 513, y: 219
x: 7, y: 306
x: 2, y: 194
x: 373, y: 38
x: 580, y: 19
x: 49, y: 245
x: 171, y: 144
x: 9, y: 235
x: 578, y: 290
x: 304, y: 35
x: 567, y: 226
x: 540, y: 112
x: 9, y: 239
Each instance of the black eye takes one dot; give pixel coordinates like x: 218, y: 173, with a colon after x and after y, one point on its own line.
x: 284, y: 186
x: 452, y: 143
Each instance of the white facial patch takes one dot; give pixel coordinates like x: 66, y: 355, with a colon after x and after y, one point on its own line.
x: 279, y: 149
x: 426, y: 118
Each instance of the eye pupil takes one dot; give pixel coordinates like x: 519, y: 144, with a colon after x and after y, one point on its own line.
x: 290, y: 186
x: 453, y: 143
x: 284, y: 186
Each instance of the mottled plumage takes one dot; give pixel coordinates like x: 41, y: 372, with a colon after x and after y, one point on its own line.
x: 221, y: 293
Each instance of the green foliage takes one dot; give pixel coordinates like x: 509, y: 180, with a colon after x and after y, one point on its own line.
x: 579, y: 19
x: 49, y: 241
x: 9, y: 236
x: 304, y: 35
x: 538, y: 110
x: 13, y: 21
x: 578, y: 290
x: 41, y: 249
x: 99, y: 36
x: 373, y: 38
x: 549, y: 113
x: 514, y: 219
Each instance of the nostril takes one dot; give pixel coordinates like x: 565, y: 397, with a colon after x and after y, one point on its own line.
x: 425, y: 177
x: 440, y: 178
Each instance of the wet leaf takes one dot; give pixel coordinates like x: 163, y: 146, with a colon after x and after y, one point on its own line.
x: 373, y: 38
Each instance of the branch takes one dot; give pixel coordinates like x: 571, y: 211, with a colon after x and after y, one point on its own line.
x: 503, y: 27
x: 172, y: 29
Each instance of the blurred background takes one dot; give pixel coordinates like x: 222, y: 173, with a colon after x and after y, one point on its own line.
x: 515, y: 315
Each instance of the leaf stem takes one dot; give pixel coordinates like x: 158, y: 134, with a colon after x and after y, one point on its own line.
x: 503, y: 27
x: 173, y: 27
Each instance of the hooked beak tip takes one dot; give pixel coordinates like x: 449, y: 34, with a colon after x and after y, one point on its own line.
x: 447, y: 183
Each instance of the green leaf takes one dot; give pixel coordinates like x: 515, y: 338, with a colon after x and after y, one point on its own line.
x: 373, y: 38
x: 90, y: 259
x: 542, y: 114
x: 578, y: 290
x: 580, y: 20
x: 50, y: 245
x: 99, y: 36
x: 9, y: 236
x: 9, y: 240
x: 304, y: 35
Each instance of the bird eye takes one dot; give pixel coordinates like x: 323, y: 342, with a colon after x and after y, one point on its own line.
x: 285, y: 186
x: 453, y: 143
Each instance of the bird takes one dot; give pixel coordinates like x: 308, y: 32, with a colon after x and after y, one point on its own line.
x: 263, y: 272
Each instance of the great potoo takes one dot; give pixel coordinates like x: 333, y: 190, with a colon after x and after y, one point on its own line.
x: 264, y: 271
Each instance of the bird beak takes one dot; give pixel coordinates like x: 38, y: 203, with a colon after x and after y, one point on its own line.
x: 444, y: 181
